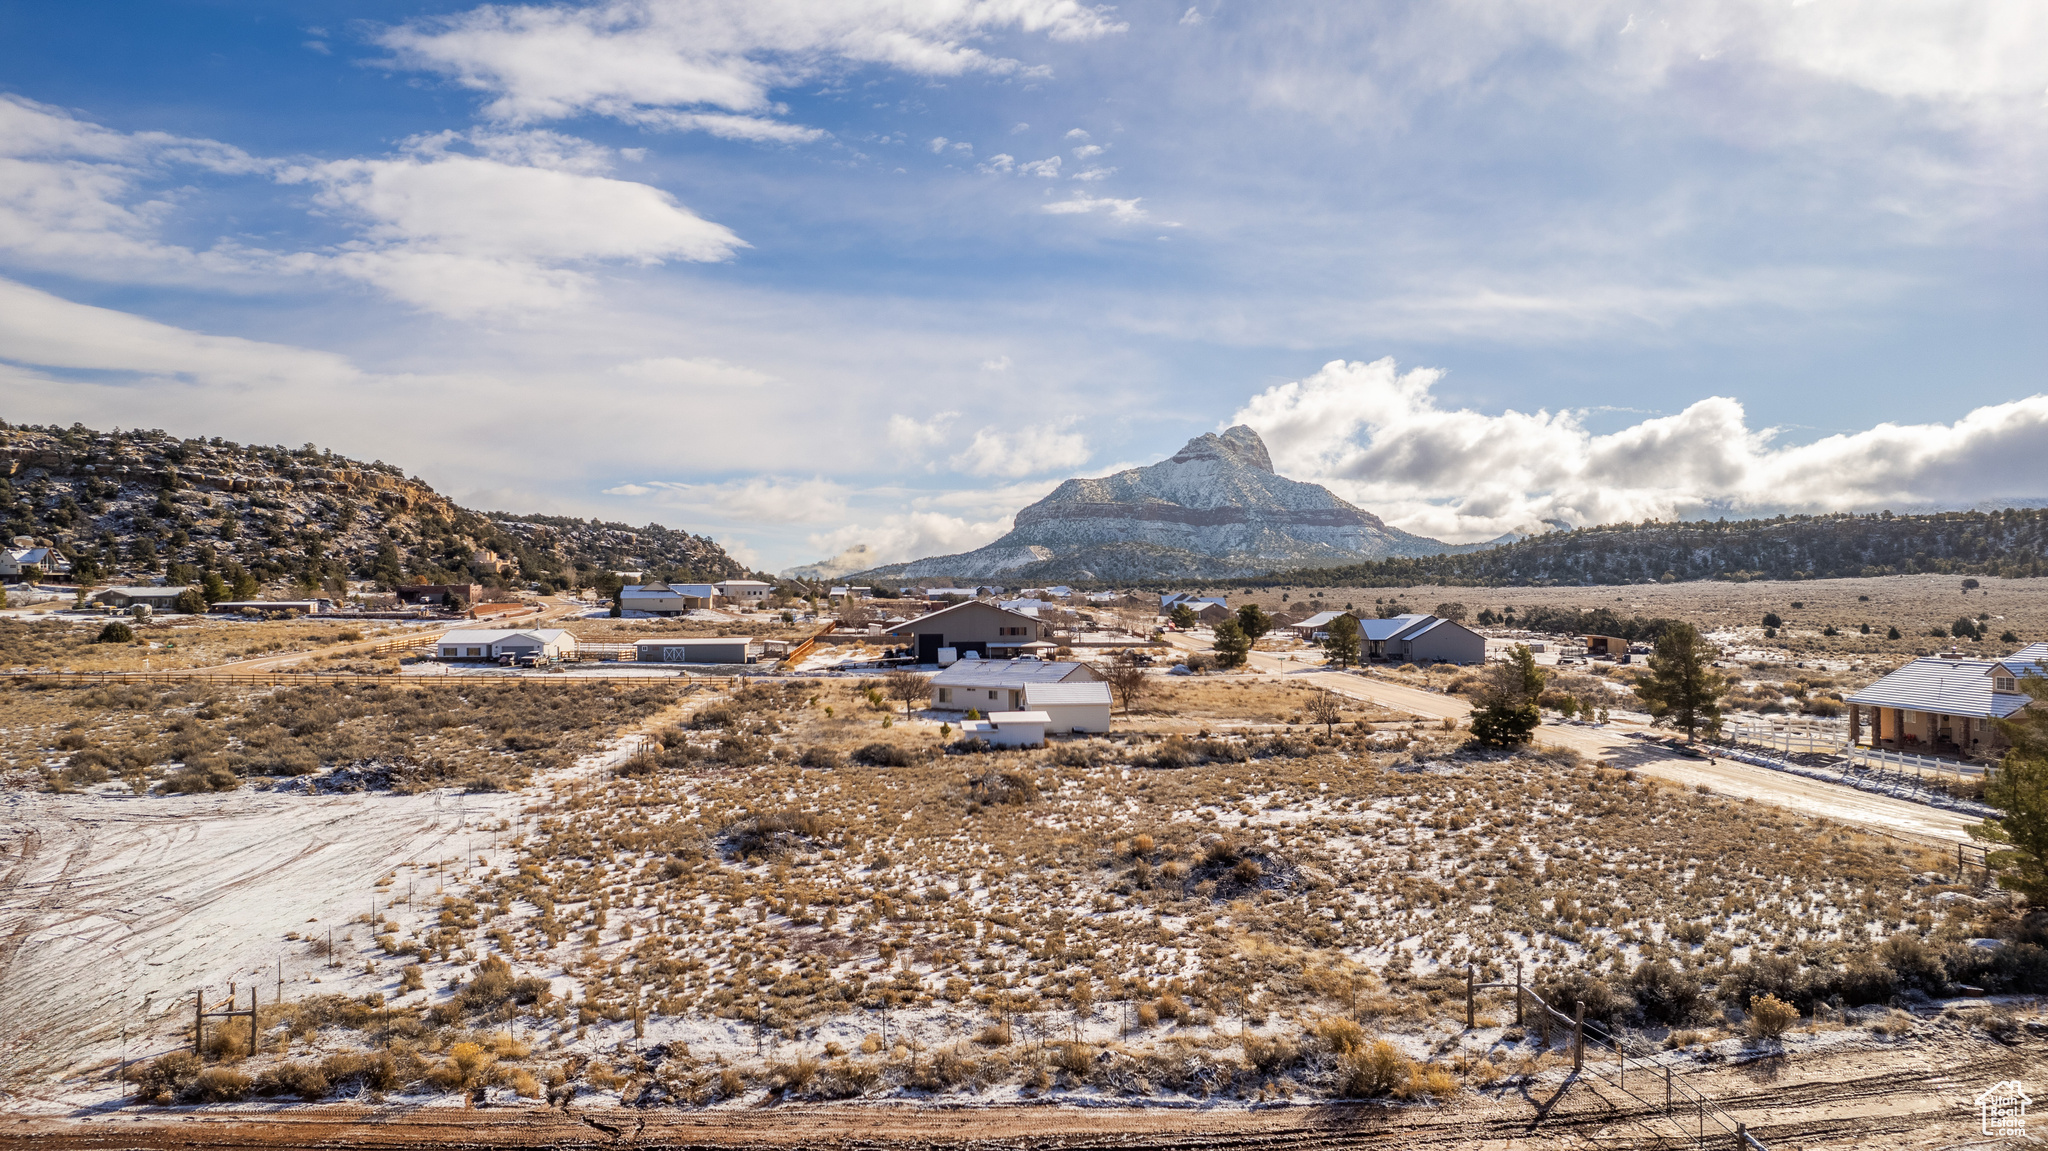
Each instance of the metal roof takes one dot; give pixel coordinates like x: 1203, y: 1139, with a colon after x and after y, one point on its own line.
x: 1386, y: 629
x: 1320, y: 619
x: 1005, y: 673
x: 1960, y: 687
x: 999, y: 718
x: 970, y: 604
x: 499, y: 635
x: 693, y: 641
x: 1066, y: 694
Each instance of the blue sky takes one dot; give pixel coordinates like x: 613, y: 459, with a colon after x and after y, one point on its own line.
x: 807, y: 275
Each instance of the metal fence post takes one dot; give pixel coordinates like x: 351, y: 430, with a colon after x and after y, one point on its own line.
x: 198, y: 1020
x: 1667, y: 1089
x: 1579, y: 1038
x: 1471, y: 977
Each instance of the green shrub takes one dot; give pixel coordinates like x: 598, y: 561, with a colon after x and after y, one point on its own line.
x: 162, y: 1079
x: 116, y: 633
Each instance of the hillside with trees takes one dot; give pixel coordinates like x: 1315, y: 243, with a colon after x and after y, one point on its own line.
x: 2012, y: 543
x: 303, y: 518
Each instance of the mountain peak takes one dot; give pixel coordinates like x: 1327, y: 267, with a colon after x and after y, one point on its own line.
x: 1239, y: 445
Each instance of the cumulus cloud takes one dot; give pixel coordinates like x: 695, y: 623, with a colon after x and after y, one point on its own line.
x: 1376, y: 435
x: 1030, y: 449
x: 910, y: 434
x: 1048, y: 168
x: 461, y: 233
x: 1122, y: 211
x: 639, y: 60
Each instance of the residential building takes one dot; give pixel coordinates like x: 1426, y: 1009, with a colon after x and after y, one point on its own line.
x: 1168, y: 602
x: 973, y: 627
x: 667, y: 599
x: 1008, y: 729
x: 744, y: 592
x: 490, y: 644
x: 997, y: 685
x: 694, y: 649
x: 32, y: 561
x: 158, y: 598
x: 438, y: 594
x: 1316, y: 626
x: 302, y: 606
x: 1080, y: 705
x: 1421, y: 638
x: 1946, y: 704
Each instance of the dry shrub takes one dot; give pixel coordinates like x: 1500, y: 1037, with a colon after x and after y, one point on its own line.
x: 846, y: 1079
x: 1001, y: 787
x: 1770, y: 1017
x: 160, y: 1080
x: 1076, y: 1059
x: 819, y: 757
x: 305, y: 1080
x: 772, y: 834
x: 1432, y: 1081
x: 219, y: 1085
x: 885, y: 755
x: 793, y: 1077
x: 524, y: 1085
x: 731, y: 1084
x: 1377, y: 1070
x: 1270, y: 1056
x: 1339, y: 1035
x: 997, y: 1035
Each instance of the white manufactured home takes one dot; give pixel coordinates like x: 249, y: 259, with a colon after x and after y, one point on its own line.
x: 492, y: 643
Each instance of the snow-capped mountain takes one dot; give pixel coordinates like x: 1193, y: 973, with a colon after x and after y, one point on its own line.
x: 1216, y: 508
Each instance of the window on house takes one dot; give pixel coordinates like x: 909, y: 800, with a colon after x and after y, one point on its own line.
x: 2004, y: 683
x: 945, y: 695
x: 991, y: 695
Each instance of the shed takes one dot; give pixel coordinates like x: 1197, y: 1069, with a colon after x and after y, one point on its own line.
x: 1009, y: 729
x: 694, y: 649
x: 1079, y: 706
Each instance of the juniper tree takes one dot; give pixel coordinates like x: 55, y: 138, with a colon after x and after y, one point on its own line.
x: 1683, y: 690
x: 1233, y: 646
x: 2019, y: 788
x: 1341, y: 640
x: 1507, y: 714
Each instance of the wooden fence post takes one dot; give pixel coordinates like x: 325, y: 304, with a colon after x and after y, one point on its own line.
x: 1667, y: 1089
x: 1579, y: 1038
x: 1471, y: 977
x: 198, y: 1020
x: 252, y: 1021
x: 1741, y: 1137
x: 1518, y: 993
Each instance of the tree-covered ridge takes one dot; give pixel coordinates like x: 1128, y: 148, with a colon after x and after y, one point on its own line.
x: 152, y: 502
x: 2011, y: 543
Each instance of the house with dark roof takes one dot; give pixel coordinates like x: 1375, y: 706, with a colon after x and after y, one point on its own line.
x: 1946, y: 704
x: 973, y: 628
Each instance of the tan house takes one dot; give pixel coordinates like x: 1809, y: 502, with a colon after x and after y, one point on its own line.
x: 1946, y: 704
x: 972, y: 628
x: 991, y: 685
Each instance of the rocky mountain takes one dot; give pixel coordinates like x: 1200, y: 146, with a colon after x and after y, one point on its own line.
x: 138, y: 504
x: 1215, y: 509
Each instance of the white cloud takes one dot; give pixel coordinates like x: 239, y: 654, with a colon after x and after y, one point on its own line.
x: 464, y: 234
x: 938, y: 144
x: 74, y: 195
x: 1087, y: 150
x: 755, y: 500
x: 1092, y: 174
x: 999, y: 364
x: 1077, y: 133
x: 1048, y: 168
x: 1000, y: 162
x: 1376, y: 436
x: 726, y: 126
x: 1122, y: 211
x: 1026, y: 450
x: 909, y: 535
x: 1191, y: 17
x: 1016, y: 128
x: 698, y: 372
x: 628, y: 58
x: 910, y: 434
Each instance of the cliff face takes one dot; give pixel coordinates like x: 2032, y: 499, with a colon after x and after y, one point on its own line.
x: 1216, y: 508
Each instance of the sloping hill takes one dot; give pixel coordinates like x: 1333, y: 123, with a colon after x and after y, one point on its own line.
x: 2011, y: 543
x: 148, y: 502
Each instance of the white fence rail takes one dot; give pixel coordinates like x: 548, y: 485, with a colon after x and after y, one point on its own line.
x: 1816, y: 742
x: 1866, y: 757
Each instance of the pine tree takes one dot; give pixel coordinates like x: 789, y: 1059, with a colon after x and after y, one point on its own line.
x: 1507, y: 714
x: 1683, y: 690
x: 1233, y: 646
x: 1341, y: 640
x: 1253, y: 621
x: 2019, y: 788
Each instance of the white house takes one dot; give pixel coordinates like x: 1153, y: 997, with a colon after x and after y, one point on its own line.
x: 744, y: 592
x: 1082, y: 705
x: 667, y: 599
x: 990, y: 685
x: 553, y: 643
x: 29, y: 561
x: 694, y: 649
x: 1009, y: 729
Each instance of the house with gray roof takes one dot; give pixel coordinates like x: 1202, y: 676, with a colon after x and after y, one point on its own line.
x: 987, y: 685
x: 1946, y: 704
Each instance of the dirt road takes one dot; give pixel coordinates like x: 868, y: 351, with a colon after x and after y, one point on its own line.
x: 1914, y: 821
x: 1867, y: 1094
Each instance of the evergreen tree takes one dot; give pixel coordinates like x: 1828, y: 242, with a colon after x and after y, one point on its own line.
x: 2019, y: 788
x: 213, y: 588
x: 1341, y: 640
x: 1233, y: 646
x: 1507, y: 714
x: 1683, y: 690
x: 1254, y: 621
x: 1183, y: 616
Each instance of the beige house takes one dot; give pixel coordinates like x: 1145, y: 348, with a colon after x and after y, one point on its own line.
x: 1945, y: 704
x: 744, y: 592
x: 988, y: 685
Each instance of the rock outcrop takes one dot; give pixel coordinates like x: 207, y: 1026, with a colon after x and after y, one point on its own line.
x: 1216, y: 508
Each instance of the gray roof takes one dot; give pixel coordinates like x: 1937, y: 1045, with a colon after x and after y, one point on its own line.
x: 1004, y: 673
x: 2029, y: 660
x: 969, y: 605
x: 1320, y: 619
x: 1960, y: 687
x: 1063, y: 694
x: 1385, y: 629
